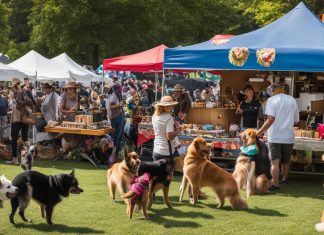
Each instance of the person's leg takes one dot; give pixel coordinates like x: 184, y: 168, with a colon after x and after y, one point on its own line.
x: 24, y: 134
x: 286, y: 155
x: 118, y: 124
x: 15, y: 129
x: 275, y: 156
x: 275, y: 172
x: 2, y: 127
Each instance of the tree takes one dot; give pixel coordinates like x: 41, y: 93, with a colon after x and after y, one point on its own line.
x: 5, y: 29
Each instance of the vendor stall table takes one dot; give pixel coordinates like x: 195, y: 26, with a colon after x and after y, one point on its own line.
x: 79, y: 131
x: 309, y: 144
x: 215, y: 116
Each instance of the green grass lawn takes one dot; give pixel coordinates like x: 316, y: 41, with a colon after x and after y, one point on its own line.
x: 295, y: 210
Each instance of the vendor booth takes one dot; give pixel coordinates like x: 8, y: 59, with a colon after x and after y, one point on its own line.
x: 290, y: 49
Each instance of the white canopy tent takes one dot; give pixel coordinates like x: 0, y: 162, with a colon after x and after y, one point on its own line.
x: 36, y: 66
x: 7, y: 73
x: 77, y: 72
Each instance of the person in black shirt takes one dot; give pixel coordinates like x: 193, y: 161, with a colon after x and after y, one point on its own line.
x: 250, y: 109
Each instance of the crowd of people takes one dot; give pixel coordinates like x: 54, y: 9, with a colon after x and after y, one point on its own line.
x: 125, y: 101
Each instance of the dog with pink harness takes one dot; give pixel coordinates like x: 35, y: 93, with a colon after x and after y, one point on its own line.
x: 138, y: 194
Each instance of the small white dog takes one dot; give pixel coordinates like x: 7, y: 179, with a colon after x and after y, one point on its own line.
x: 320, y: 226
x: 7, y: 190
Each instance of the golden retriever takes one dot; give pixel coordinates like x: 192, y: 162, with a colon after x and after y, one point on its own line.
x: 245, y: 166
x: 201, y: 172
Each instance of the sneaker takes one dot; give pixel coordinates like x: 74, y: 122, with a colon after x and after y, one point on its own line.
x: 273, y: 188
x: 283, y: 182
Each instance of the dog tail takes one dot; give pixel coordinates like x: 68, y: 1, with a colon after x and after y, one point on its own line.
x: 237, y: 202
x: 319, y: 227
x: 128, y: 195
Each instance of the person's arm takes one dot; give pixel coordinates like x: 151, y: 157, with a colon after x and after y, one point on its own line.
x: 114, y: 106
x: 20, y: 99
x: 267, y: 124
x: 172, y: 130
x: 173, y: 134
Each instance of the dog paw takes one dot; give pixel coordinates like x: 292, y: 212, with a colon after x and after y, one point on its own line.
x: 192, y: 202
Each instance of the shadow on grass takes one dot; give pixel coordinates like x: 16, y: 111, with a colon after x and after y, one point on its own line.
x: 255, y: 211
x: 60, y: 228
x: 265, y: 212
x: 161, y: 214
x: 64, y: 164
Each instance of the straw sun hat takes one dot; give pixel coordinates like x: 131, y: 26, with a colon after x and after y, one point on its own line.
x: 71, y: 85
x: 166, y: 101
x: 178, y: 88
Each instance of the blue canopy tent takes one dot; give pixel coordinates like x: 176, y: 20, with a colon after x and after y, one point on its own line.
x: 297, y: 37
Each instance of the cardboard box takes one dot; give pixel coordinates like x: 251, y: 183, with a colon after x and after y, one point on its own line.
x: 317, y: 106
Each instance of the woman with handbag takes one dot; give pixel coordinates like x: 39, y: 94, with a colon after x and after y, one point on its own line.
x: 166, y: 129
x: 20, y: 118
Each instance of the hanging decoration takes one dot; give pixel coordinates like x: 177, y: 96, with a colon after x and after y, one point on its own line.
x: 266, y: 56
x: 238, y: 56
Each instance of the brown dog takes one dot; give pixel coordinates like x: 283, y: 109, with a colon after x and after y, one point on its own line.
x: 120, y: 174
x: 244, y: 172
x: 201, y: 172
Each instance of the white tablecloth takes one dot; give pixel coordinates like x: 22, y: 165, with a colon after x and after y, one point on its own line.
x: 309, y: 144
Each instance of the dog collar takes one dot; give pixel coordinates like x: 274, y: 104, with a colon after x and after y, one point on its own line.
x: 250, y: 150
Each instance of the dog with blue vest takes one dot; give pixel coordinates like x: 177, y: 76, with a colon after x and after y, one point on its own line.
x: 252, y: 168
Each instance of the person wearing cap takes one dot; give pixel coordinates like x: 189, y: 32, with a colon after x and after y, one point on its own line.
x: 3, y: 113
x: 184, y: 103
x: 282, y: 114
x: 166, y: 129
x: 21, y: 100
x: 69, y: 102
x: 250, y: 109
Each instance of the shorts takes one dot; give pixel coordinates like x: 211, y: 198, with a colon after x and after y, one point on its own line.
x: 281, y: 152
x: 157, y: 156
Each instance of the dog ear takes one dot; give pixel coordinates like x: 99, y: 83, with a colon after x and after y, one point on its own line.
x: 196, y: 144
x: 72, y: 173
x: 125, y: 153
x: 253, y: 134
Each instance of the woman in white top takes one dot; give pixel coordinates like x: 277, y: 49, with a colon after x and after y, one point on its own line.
x: 165, y: 128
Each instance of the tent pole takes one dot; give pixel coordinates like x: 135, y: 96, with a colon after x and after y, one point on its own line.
x: 156, y: 85
x: 163, y: 82
x: 102, y: 82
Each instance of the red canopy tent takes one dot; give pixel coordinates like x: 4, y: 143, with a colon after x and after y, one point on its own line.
x: 147, y: 61
x: 221, y: 38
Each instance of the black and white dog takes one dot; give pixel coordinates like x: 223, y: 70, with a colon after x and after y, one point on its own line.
x: 7, y: 190
x: 27, y: 157
x: 46, y: 190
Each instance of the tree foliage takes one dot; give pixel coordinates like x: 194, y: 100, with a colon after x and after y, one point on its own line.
x: 92, y: 30
x: 4, y: 27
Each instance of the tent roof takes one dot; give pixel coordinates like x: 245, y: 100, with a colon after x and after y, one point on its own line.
x: 76, y: 71
x: 147, y: 61
x: 34, y: 65
x: 7, y: 73
x: 297, y: 37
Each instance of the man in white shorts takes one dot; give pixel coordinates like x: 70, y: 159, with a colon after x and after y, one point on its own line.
x: 282, y: 114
